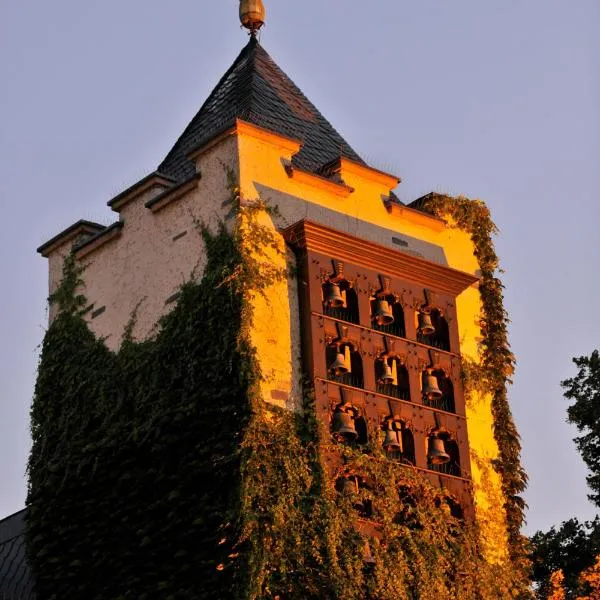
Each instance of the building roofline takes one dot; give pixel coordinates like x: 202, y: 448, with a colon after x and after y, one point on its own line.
x: 98, y: 239
x: 316, y: 237
x: 172, y: 193
x: 81, y: 226
x: 137, y: 188
x: 14, y: 532
x: 347, y: 164
x: 13, y: 515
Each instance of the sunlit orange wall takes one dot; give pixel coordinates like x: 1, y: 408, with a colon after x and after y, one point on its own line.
x: 261, y: 162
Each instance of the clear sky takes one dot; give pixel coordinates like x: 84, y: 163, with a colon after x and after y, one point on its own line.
x: 498, y: 100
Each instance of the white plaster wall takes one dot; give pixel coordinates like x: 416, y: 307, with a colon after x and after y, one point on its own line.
x: 144, y: 266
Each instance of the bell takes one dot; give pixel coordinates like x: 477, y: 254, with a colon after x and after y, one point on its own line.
x: 349, y: 487
x: 431, y: 389
x: 343, y: 426
x: 338, y: 366
x: 368, y: 556
x: 252, y: 14
x: 425, y: 325
x: 436, y: 452
x: 333, y: 295
x: 391, y: 443
x: 383, y: 313
x: 387, y: 376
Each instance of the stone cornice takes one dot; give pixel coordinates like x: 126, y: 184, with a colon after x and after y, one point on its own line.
x: 159, y: 202
x: 81, y: 228
x: 110, y: 233
x: 337, y: 244
x: 154, y: 180
x: 414, y: 215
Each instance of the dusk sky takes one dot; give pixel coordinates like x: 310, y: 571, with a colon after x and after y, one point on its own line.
x: 496, y: 100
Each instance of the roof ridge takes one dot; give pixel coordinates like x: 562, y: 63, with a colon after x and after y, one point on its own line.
x: 221, y: 81
x: 252, y: 65
x: 256, y: 89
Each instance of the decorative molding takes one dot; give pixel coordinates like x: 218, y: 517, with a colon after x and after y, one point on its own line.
x: 413, y: 215
x: 110, y: 233
x: 315, y: 237
x: 79, y: 229
x: 154, y: 180
x: 308, y: 178
x: 164, y: 199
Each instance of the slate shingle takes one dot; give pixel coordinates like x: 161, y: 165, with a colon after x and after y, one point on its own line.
x: 256, y: 90
x: 15, y: 576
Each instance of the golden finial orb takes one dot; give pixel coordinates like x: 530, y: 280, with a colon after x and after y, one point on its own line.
x: 252, y: 14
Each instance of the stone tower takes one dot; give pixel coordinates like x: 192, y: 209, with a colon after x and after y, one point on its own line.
x: 377, y: 320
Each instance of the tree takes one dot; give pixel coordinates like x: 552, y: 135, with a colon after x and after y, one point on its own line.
x: 557, y: 589
x: 571, y: 548
x: 565, y: 559
x: 584, y: 413
x: 590, y: 582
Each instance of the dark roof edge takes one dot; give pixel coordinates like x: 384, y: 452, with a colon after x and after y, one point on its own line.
x: 71, y: 229
x: 336, y: 165
x: 420, y: 201
x: 106, y: 230
x: 253, y: 42
x: 172, y: 190
x: 231, y: 125
x: 228, y: 125
x: 13, y: 530
x: 13, y: 515
x: 143, y: 180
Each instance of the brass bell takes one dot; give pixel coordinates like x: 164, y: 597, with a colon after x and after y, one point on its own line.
x: 252, y: 14
x: 431, y: 389
x: 392, y: 442
x: 383, y: 313
x: 387, y: 377
x: 349, y: 487
x: 425, y: 325
x: 333, y: 295
x: 368, y: 556
x: 338, y: 366
x: 436, y: 452
x: 343, y: 426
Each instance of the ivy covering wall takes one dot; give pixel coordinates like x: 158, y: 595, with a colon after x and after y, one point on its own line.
x: 493, y: 372
x: 159, y: 472
x: 135, y: 467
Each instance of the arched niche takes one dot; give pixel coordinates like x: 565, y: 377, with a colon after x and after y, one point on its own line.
x: 399, y: 384
x: 398, y: 326
x: 445, y: 401
x: 452, y: 466
x: 408, y: 446
x: 353, y: 374
x: 440, y: 338
x: 340, y: 301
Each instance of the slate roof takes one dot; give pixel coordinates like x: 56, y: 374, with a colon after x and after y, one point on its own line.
x: 256, y: 90
x: 15, y: 577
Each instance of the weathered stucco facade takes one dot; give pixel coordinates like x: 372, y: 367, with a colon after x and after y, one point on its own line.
x: 137, y: 268
x: 134, y: 269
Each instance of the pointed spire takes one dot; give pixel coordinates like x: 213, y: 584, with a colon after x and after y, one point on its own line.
x: 257, y: 91
x: 252, y: 15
